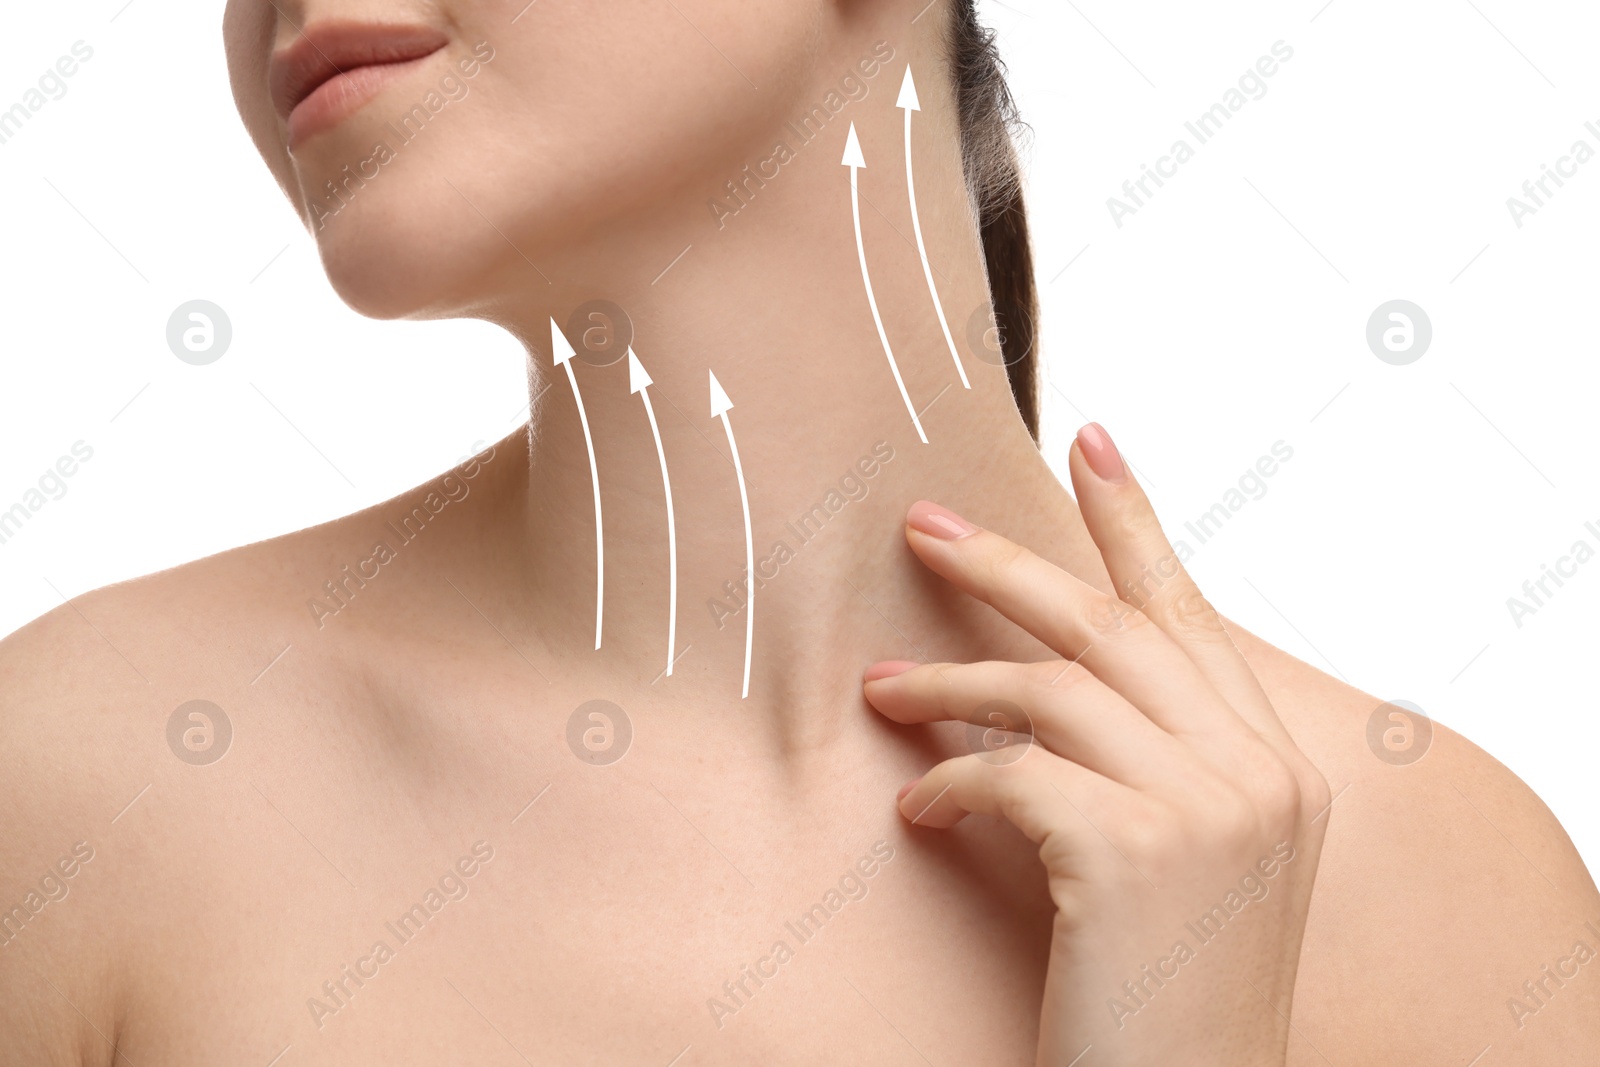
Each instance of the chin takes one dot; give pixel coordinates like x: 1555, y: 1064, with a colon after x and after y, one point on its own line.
x: 397, y: 251
x: 376, y: 263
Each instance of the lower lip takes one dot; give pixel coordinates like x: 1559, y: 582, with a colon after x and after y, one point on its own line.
x: 342, y: 96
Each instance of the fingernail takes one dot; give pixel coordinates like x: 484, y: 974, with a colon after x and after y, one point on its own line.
x: 1101, y: 454
x: 887, y: 669
x: 908, y: 787
x: 935, y: 521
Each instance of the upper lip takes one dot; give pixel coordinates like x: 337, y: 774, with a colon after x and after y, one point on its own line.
x: 327, y: 49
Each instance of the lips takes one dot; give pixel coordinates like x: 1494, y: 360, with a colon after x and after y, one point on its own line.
x: 333, y: 68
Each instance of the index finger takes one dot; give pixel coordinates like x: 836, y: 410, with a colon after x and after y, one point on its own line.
x: 1116, y: 643
x: 1147, y: 574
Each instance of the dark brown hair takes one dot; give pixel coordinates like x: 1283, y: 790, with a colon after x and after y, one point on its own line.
x: 989, y: 122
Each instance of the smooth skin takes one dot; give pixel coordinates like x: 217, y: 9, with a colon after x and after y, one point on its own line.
x: 629, y: 908
x: 1162, y: 777
x: 216, y: 904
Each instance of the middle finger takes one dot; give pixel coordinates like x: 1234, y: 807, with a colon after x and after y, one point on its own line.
x: 1117, y: 643
x: 1070, y: 712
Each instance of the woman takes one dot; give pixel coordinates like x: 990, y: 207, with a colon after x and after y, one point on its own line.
x: 586, y: 751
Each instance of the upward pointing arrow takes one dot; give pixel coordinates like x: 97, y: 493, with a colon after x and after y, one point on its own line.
x: 908, y: 94
x: 720, y: 404
x: 559, y: 345
x: 719, y: 397
x: 638, y: 378
x: 908, y: 101
x: 854, y: 160
x: 852, y: 150
x: 638, y: 382
x: 563, y: 353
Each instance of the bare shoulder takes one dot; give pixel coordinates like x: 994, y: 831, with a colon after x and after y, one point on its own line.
x: 227, y: 618
x: 60, y: 710
x: 113, y: 705
x: 87, y: 693
x: 77, y: 680
x: 1452, y: 913
x: 85, y: 666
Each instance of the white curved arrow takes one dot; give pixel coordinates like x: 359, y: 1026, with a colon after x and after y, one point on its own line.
x: 855, y: 161
x: 639, y: 382
x: 908, y: 101
x: 719, y: 408
x: 563, y: 356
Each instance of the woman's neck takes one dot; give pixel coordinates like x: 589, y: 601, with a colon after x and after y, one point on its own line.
x: 771, y: 300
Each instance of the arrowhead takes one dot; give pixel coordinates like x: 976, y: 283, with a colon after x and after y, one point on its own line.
x: 637, y: 378
x: 719, y: 399
x: 908, y: 93
x: 852, y: 149
x: 558, y: 345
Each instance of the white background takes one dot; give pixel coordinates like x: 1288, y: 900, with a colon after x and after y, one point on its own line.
x: 1229, y: 313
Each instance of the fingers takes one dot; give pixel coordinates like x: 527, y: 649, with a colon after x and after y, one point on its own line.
x: 1147, y: 574
x: 1065, y: 708
x: 1078, y: 621
x: 1044, y: 798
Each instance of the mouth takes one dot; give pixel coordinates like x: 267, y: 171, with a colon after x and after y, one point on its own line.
x: 334, y: 68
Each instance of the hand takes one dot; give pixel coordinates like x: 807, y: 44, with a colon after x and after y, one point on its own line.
x: 1178, y: 823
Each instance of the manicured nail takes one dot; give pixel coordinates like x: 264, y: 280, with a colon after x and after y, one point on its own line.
x: 887, y: 669
x: 1102, y: 455
x: 908, y: 787
x: 939, y: 522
